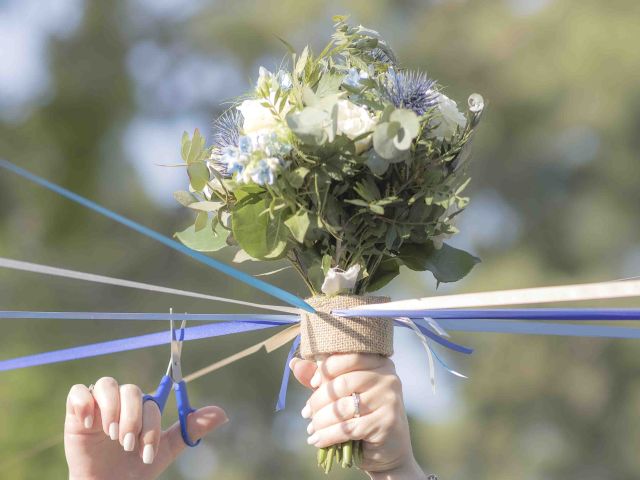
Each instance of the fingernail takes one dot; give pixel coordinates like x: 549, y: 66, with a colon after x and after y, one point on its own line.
x: 306, y: 411
x: 312, y: 439
x: 315, y: 380
x: 310, y: 428
x: 88, y: 421
x: 292, y: 362
x: 113, y: 431
x: 148, y: 454
x: 129, y: 442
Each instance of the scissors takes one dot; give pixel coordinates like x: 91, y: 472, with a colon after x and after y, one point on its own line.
x: 173, y: 379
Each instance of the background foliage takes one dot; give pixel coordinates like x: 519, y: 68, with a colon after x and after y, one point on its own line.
x: 93, y: 94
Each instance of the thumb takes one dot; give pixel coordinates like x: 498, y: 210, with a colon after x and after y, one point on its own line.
x: 199, y: 424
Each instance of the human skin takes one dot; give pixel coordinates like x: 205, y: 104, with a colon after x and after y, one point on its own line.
x: 110, y: 433
x: 382, y: 425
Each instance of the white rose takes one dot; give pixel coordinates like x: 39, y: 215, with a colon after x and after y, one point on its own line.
x: 337, y: 281
x: 353, y: 121
x: 256, y: 118
x: 449, y: 119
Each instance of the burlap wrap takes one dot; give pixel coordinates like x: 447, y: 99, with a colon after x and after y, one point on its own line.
x: 322, y: 333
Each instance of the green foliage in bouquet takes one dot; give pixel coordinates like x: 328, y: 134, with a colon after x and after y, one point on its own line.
x: 347, y: 165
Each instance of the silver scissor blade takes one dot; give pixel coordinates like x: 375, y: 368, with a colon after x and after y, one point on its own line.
x: 176, y: 352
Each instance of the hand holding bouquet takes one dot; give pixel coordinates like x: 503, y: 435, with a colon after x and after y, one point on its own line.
x: 349, y: 167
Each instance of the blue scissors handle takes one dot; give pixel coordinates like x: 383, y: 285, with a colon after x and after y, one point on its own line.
x: 162, y: 393
x: 184, y: 409
x: 182, y: 402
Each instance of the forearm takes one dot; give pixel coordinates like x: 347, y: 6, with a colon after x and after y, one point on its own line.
x: 409, y: 471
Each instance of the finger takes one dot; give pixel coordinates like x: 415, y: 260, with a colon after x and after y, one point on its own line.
x: 354, y: 429
x: 199, y: 423
x: 341, y: 363
x: 80, y: 407
x: 342, y: 410
x: 342, y: 386
x: 107, y: 395
x: 150, y: 434
x: 130, y: 416
x: 303, y: 370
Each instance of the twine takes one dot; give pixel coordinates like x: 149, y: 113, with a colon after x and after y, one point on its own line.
x: 323, y: 333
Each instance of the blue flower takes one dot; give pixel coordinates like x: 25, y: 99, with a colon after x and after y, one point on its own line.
x: 284, y: 80
x: 245, y: 145
x: 354, y: 77
x: 263, y: 172
x: 409, y: 89
x: 233, y: 160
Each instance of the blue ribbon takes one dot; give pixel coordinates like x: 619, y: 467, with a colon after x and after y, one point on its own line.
x: 221, y: 267
x: 134, y: 343
x: 284, y: 383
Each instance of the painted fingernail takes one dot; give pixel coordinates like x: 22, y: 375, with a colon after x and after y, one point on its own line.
x: 88, y: 421
x: 315, y: 380
x: 306, y: 411
x: 312, y: 439
x: 310, y: 428
x: 148, y: 454
x: 113, y: 431
x: 129, y: 442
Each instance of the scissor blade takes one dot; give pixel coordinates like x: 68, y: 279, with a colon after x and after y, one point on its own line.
x: 176, y: 352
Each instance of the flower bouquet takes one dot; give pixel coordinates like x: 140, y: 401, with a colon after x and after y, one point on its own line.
x: 347, y: 166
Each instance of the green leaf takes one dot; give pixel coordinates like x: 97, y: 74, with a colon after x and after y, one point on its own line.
x: 198, y: 175
x: 299, y: 225
x: 205, y: 206
x: 205, y: 240
x: 259, y: 235
x: 296, y: 177
x: 186, y: 146
x: 408, y: 120
x: 329, y: 84
x: 388, y: 269
x: 384, y: 140
x: 326, y: 263
x: 197, y: 145
x: 376, y: 163
x: 302, y: 61
x: 183, y: 198
x: 201, y: 221
x: 448, y: 264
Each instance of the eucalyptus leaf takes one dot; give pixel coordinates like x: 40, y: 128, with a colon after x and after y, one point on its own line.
x: 198, y: 176
x: 201, y: 221
x: 256, y: 232
x: 205, y: 206
x: 205, y: 240
x: 183, y: 198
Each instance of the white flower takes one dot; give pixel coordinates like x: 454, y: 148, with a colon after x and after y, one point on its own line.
x: 353, y: 121
x: 256, y: 117
x: 337, y: 280
x: 449, y: 120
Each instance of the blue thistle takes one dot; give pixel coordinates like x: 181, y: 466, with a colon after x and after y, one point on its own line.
x: 226, y: 136
x: 226, y: 129
x: 409, y: 89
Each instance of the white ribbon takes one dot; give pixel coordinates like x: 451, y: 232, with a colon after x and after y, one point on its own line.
x: 90, y: 277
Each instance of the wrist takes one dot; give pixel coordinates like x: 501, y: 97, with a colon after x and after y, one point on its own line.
x: 409, y: 470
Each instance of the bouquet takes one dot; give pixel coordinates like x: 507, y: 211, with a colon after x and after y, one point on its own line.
x: 347, y: 166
